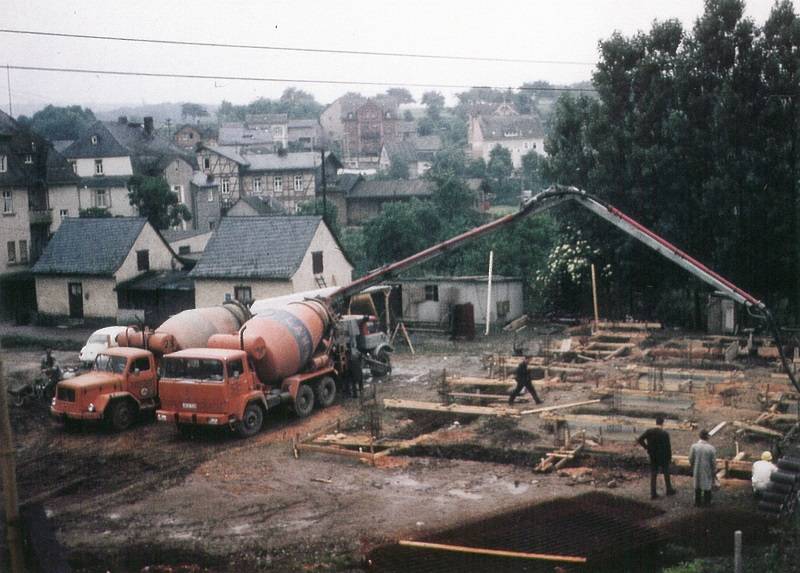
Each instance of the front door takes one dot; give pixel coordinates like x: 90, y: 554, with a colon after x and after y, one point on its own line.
x: 75, y: 300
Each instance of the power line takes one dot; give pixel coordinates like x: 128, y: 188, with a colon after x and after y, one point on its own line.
x: 286, y: 80
x: 295, y: 49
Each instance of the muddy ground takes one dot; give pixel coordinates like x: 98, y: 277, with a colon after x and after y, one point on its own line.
x: 148, y: 499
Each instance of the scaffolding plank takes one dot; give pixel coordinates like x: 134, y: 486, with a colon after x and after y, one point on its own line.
x: 394, y: 404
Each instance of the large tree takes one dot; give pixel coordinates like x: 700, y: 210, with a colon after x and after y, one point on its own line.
x: 154, y: 200
x: 55, y: 122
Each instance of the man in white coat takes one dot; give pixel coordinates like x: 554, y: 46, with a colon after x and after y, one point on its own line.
x: 762, y: 470
x: 703, y: 459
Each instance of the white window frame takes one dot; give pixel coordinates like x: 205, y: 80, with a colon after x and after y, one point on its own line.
x: 298, y: 182
x: 3, y: 163
x: 98, y: 166
x: 101, y: 193
x: 257, y: 189
x: 63, y: 213
x: 28, y: 159
x: 277, y: 184
x: 225, y: 186
x: 8, y: 202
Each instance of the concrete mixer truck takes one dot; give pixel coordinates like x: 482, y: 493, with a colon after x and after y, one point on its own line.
x: 123, y: 382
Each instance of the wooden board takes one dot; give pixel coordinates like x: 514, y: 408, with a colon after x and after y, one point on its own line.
x: 634, y: 423
x: 560, y: 407
x: 392, y: 404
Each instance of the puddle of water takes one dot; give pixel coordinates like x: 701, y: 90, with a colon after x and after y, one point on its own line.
x: 460, y: 493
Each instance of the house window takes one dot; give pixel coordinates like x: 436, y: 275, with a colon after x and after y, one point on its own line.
x: 74, y: 165
x: 3, y: 164
x: 8, y: 202
x: 210, y: 195
x: 243, y: 294
x: 23, y: 251
x: 98, y: 166
x: 211, y: 225
x: 63, y: 213
x: 226, y: 186
x: 432, y: 292
x: 206, y: 162
x: 28, y: 159
x: 316, y: 262
x: 277, y: 185
x: 298, y: 182
x: 257, y: 185
x: 184, y: 250
x: 143, y: 260
x: 94, y: 140
x: 12, y: 252
x: 178, y: 190
x: 101, y: 198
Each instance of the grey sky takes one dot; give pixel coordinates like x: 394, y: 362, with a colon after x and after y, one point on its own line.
x: 552, y: 30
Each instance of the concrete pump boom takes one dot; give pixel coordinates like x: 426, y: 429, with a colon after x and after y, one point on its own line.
x: 556, y: 195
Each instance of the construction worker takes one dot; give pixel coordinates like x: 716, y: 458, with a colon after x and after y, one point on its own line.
x: 703, y: 459
x: 762, y: 471
x: 523, y: 377
x: 659, y: 449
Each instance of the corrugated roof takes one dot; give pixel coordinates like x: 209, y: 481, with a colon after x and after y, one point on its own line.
x: 257, y: 247
x: 89, y: 246
x: 391, y: 188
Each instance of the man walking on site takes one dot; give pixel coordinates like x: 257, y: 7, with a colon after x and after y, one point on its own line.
x: 523, y: 377
x: 659, y: 450
x: 703, y: 459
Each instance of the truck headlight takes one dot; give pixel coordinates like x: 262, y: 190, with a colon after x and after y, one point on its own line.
x: 161, y: 417
x: 213, y: 421
x: 53, y: 401
x: 91, y: 408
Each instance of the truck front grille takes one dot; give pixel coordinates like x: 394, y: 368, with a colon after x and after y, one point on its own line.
x: 66, y: 394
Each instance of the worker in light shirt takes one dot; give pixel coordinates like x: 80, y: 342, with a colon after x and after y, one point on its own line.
x: 762, y: 470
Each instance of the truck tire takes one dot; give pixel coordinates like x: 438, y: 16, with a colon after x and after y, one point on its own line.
x: 251, y: 422
x: 121, y: 415
x: 304, y: 401
x: 385, y: 366
x: 325, y: 392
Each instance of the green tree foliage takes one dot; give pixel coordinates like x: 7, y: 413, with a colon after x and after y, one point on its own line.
x: 297, y: 103
x: 434, y: 102
x: 193, y: 111
x: 534, y: 172
x: 499, y: 171
x: 398, y: 168
x: 694, y: 133
x: 402, y: 95
x: 54, y: 122
x: 94, y: 213
x: 329, y: 212
x: 154, y: 200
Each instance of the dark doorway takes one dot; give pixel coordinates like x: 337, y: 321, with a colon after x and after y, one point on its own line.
x: 75, y: 300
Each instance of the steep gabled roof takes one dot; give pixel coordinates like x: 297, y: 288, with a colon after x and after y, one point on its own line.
x: 228, y: 152
x: 257, y: 247
x: 89, y: 246
x: 238, y: 134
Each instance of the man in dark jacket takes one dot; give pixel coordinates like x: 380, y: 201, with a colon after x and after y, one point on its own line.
x: 656, y: 442
x: 523, y: 378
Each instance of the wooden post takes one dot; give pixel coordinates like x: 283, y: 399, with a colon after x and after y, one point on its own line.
x: 386, y: 294
x: 594, y: 299
x: 737, y: 552
x: 9, y: 477
x: 489, y: 294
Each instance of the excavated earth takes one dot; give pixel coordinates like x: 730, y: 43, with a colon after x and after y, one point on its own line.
x: 150, y: 500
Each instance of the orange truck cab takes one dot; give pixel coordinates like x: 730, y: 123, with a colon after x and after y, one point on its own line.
x: 214, y: 387
x: 121, y: 384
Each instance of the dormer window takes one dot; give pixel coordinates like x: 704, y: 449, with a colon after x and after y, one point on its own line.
x: 28, y: 159
x: 94, y: 140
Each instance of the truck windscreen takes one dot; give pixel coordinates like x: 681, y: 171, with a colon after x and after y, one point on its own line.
x: 194, y: 369
x: 105, y: 363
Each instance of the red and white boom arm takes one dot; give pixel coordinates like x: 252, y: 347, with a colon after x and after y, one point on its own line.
x: 557, y: 195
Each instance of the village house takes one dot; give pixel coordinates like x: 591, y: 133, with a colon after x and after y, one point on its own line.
x: 520, y: 134
x: 251, y: 258
x: 86, y: 261
x: 35, y: 182
x: 189, y: 135
x: 274, y: 124
x: 417, y: 152
x: 188, y: 244
x: 205, y: 202
x: 109, y: 153
x: 366, y: 199
x: 244, y: 139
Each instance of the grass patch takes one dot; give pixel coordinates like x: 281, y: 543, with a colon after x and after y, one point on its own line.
x: 27, y: 342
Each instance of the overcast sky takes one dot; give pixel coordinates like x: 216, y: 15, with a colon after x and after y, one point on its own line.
x: 563, y: 30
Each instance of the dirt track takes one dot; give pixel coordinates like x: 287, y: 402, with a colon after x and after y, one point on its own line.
x: 147, y: 497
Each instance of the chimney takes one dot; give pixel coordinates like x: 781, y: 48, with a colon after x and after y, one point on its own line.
x: 148, y: 125
x: 122, y: 120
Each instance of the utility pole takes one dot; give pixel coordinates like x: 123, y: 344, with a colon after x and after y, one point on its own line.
x: 8, y: 82
x: 9, y: 477
x: 324, y: 187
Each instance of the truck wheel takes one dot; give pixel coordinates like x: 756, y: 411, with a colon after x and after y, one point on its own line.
x: 304, y: 401
x: 251, y: 422
x: 325, y: 392
x: 385, y: 366
x: 121, y: 415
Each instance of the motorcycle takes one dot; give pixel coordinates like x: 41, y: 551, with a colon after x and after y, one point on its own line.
x: 42, y: 389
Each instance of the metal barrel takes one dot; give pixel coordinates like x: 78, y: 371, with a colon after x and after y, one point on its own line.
x: 282, y: 340
x: 770, y: 507
x: 788, y: 478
